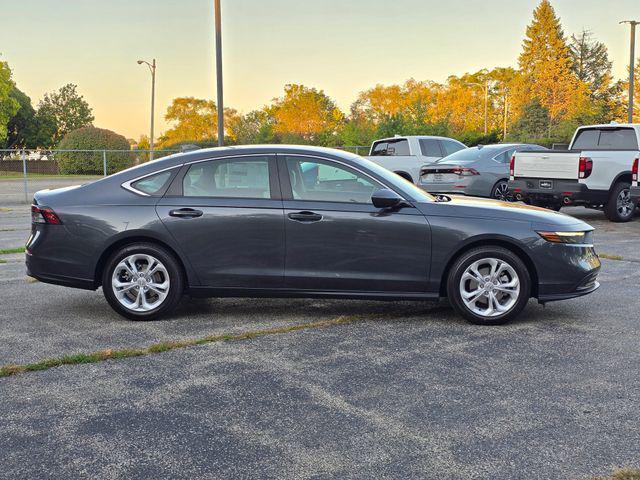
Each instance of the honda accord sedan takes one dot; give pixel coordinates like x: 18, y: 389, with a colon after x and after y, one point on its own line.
x: 292, y: 221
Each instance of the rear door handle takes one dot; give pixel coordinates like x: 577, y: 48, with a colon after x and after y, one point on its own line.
x: 305, y: 217
x: 185, y: 213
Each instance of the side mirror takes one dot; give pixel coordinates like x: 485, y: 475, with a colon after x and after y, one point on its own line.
x: 385, y: 198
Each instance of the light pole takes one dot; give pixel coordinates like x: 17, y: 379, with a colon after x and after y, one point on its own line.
x: 218, y: 24
x: 632, y: 62
x: 152, y: 69
x: 485, y: 85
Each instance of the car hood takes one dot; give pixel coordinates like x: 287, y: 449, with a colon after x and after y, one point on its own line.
x: 473, y: 207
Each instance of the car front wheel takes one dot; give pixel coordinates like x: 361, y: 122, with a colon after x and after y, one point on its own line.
x: 489, y: 285
x: 142, y: 281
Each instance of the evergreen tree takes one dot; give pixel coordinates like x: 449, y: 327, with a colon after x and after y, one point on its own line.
x: 546, y: 65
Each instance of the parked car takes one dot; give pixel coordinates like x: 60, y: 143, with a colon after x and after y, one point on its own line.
x: 595, y: 172
x: 292, y: 221
x: 482, y: 171
x: 406, y: 155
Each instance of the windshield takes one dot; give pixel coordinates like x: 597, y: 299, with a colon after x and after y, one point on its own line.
x: 400, y: 183
x: 472, y: 154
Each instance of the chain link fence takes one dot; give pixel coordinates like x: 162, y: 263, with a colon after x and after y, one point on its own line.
x: 24, y: 172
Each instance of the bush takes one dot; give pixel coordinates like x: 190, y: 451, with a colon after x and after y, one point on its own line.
x: 92, y: 138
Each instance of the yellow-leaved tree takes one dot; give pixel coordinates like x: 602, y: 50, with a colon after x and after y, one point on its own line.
x: 304, y: 114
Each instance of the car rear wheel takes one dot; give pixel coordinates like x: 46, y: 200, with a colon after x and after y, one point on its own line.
x: 489, y: 285
x: 501, y: 191
x: 620, y: 207
x: 142, y: 281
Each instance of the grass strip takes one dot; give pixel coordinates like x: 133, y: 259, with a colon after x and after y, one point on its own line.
x: 2, y: 261
x: 114, y: 354
x: 610, y: 257
x: 8, y: 251
x: 622, y: 474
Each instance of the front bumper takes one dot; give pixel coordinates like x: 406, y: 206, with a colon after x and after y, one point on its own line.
x: 567, y: 192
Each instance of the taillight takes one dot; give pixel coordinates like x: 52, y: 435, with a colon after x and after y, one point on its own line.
x: 465, y: 172
x: 44, y: 215
x: 512, y: 167
x: 634, y: 170
x: 585, y: 167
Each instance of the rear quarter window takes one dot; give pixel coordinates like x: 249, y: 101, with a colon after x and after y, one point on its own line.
x: 153, y: 184
x: 430, y: 147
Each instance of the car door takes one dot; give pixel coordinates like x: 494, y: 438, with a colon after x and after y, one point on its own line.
x: 336, y: 240
x: 226, y: 214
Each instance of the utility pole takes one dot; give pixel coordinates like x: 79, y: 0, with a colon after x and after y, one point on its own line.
x: 218, y: 24
x: 506, y: 113
x: 152, y: 69
x: 632, y: 61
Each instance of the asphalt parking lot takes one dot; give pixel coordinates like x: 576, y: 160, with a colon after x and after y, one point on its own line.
x: 404, y: 390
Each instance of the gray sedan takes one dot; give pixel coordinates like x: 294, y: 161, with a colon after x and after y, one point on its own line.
x: 481, y: 171
x: 287, y: 221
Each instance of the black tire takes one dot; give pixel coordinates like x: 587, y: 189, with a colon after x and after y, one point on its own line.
x: 618, y: 210
x: 478, y: 254
x: 500, y: 191
x: 172, y: 268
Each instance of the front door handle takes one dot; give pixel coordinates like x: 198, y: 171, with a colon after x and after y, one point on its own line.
x: 185, y: 213
x: 305, y: 217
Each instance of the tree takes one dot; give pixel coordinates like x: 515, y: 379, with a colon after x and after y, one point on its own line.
x: 590, y: 63
x: 254, y: 127
x: 92, y: 138
x: 67, y: 109
x: 195, y: 121
x: 22, y: 128
x: 545, y: 63
x: 8, y: 104
x: 532, y: 125
x: 305, y: 114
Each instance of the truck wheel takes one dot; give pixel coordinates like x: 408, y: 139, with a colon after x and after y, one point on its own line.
x: 620, y: 206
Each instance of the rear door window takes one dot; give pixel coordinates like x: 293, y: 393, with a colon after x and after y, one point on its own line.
x: 430, y: 147
x: 391, y: 148
x: 243, y: 177
x: 606, y: 139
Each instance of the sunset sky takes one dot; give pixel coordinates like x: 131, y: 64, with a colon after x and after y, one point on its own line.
x: 340, y: 46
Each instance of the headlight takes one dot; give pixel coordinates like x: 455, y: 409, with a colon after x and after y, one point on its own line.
x: 575, y: 238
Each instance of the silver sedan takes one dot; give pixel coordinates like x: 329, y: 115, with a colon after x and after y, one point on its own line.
x: 481, y: 171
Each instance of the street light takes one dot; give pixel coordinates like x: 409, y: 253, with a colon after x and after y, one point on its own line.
x: 152, y: 69
x: 632, y: 62
x: 485, y: 85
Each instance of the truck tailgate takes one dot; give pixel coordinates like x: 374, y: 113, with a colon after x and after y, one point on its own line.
x: 560, y: 165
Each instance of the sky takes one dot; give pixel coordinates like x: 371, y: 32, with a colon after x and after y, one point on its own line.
x: 340, y: 46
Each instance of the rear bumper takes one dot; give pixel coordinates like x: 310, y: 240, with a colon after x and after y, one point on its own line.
x: 41, y: 269
x: 635, y: 193
x: 568, y: 192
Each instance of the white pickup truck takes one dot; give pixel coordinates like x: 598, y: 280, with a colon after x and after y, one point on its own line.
x: 595, y: 172
x: 406, y: 155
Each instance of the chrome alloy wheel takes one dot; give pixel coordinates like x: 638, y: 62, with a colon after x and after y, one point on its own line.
x: 490, y: 287
x: 140, y: 282
x: 624, y: 204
